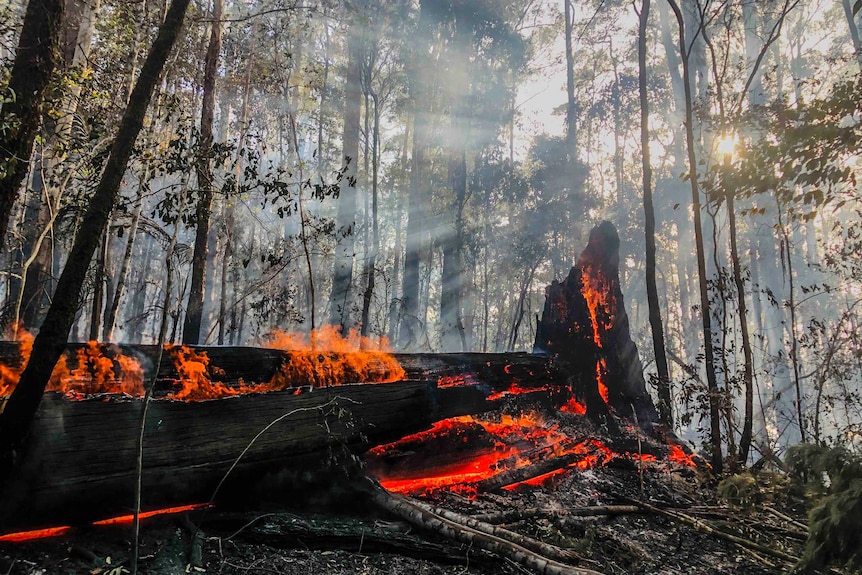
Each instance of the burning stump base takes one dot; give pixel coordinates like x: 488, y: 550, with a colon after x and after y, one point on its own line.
x: 585, y: 324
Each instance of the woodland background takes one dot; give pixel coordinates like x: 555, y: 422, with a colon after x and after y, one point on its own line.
x: 421, y: 170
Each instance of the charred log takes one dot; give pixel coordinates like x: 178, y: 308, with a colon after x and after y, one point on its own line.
x: 584, y: 323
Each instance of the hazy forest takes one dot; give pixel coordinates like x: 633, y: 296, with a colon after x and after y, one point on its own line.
x: 209, y: 172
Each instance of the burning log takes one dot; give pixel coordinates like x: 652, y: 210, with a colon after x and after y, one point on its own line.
x: 80, y: 461
x: 584, y: 323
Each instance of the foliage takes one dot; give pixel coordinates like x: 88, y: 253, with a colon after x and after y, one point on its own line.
x: 740, y: 490
x: 834, y: 477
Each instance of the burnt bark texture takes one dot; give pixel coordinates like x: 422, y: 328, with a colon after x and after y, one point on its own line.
x: 585, y: 324
x: 35, y: 60
x: 194, y: 312
x: 53, y: 335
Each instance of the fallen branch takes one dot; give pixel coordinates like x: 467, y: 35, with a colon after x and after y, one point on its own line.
x: 705, y: 528
x: 425, y: 519
x: 545, y: 549
x: 509, y: 515
x: 787, y: 518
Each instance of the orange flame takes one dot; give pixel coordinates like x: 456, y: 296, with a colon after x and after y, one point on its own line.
x: 601, y: 304
x: 325, y: 358
x: 93, y: 373
x: 677, y: 455
x: 574, y: 406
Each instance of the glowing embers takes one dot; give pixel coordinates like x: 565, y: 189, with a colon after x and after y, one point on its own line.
x: 121, y: 520
x: 456, y: 454
x: 678, y: 455
x: 516, y: 389
x: 574, y: 406
x: 602, y: 306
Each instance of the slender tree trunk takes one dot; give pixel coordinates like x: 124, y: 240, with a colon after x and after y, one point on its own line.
x: 339, y: 300
x: 372, y: 261
x: 98, y: 290
x: 111, y: 317
x: 712, y: 387
x: 29, y: 79
x: 663, y: 377
x: 853, y: 28
x: 571, y: 105
x: 419, y: 93
x: 52, y: 338
x: 203, y: 166
x: 748, y: 369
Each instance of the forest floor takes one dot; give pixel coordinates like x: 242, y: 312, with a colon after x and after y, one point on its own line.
x: 351, y: 536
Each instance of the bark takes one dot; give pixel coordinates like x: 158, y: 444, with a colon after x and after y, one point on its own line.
x: 123, y: 273
x: 372, y: 259
x: 712, y: 386
x: 35, y: 60
x: 663, y: 376
x: 203, y: 166
x: 339, y: 300
x: 51, y: 340
x: 451, y: 295
x: 99, y: 287
x: 748, y: 369
x: 571, y: 105
x: 78, y: 477
x: 853, y: 29
x: 408, y: 334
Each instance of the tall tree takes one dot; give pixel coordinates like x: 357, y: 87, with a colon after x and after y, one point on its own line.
x: 408, y: 335
x: 203, y: 166
x: 663, y: 381
x: 339, y: 299
x: 713, y: 397
x: 52, y: 338
x: 21, y: 113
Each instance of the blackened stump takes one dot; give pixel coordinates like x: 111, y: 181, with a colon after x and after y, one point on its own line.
x: 584, y: 323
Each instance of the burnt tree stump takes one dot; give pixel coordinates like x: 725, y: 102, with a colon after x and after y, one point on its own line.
x: 584, y: 323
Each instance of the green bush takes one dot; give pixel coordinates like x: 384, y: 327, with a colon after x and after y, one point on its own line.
x: 833, y: 476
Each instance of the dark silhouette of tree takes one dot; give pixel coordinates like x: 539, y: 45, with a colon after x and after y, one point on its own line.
x: 53, y: 335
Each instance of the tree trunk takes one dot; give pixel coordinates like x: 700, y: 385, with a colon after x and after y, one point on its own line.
x: 203, y: 166
x: 339, y: 299
x: 663, y: 377
x: 52, y: 338
x: 748, y: 369
x: 571, y: 105
x: 122, y: 274
x: 712, y: 386
x: 29, y: 79
x: 98, y: 288
x: 853, y: 28
x: 408, y: 335
x: 372, y: 260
